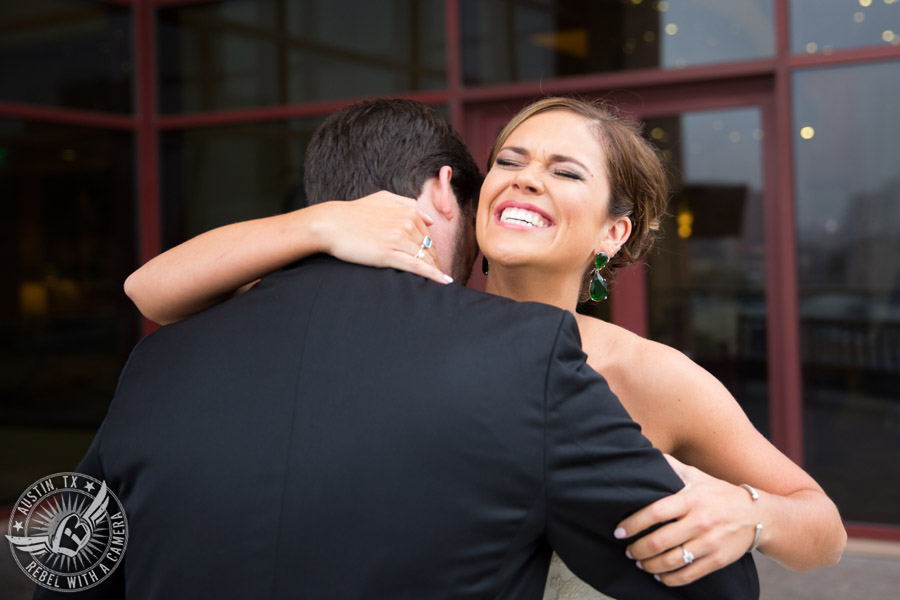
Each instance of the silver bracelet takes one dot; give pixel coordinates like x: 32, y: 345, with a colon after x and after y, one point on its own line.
x: 753, y: 492
x: 756, y: 539
x: 755, y: 495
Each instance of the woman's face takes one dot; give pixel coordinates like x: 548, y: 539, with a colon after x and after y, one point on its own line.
x: 544, y: 201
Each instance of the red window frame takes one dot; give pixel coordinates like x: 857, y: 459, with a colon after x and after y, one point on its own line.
x: 766, y: 83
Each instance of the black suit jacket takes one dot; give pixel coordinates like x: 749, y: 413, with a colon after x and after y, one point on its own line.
x: 346, y: 432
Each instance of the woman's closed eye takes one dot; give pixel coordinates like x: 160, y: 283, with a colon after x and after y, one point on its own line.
x: 569, y: 175
x: 513, y: 164
x: 505, y: 162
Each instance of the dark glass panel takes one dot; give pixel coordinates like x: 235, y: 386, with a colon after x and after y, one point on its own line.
x: 242, y: 53
x: 66, y: 327
x: 216, y: 176
x: 827, y: 25
x: 69, y: 53
x: 706, y: 275
x: 521, y: 40
x: 847, y: 140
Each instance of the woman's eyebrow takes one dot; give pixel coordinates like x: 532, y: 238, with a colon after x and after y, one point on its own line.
x: 563, y: 158
x: 518, y: 150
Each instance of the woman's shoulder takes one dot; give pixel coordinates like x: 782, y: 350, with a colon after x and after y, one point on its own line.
x: 657, y: 384
x: 610, y: 345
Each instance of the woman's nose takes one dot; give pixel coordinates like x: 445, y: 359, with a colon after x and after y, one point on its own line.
x: 527, y: 180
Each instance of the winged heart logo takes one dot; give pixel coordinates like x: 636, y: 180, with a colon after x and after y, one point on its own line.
x: 65, y: 537
x: 71, y: 533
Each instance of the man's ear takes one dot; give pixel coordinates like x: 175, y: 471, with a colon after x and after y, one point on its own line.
x: 444, y: 201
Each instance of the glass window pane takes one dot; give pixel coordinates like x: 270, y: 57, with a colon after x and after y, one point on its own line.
x: 521, y: 40
x: 66, y: 328
x: 81, y: 50
x: 242, y: 53
x: 826, y: 25
x: 215, y: 176
x: 706, y: 275
x: 848, y: 239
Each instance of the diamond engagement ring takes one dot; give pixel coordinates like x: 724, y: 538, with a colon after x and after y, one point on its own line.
x: 688, y: 555
x: 420, y: 253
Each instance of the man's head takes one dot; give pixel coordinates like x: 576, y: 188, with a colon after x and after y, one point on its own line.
x: 399, y: 146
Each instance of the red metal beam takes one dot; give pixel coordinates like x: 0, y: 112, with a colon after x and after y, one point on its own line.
x: 782, y: 315
x: 167, y: 3
x: 68, y: 116
x: 453, y: 48
x: 617, y: 80
x: 874, y: 531
x: 842, y: 57
x: 628, y: 299
x: 148, y: 173
x: 282, y: 112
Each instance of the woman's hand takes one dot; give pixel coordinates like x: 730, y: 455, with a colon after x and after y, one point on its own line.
x: 712, y: 519
x: 379, y: 230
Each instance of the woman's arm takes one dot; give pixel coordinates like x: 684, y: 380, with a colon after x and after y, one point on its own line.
x: 715, y: 518
x: 381, y: 230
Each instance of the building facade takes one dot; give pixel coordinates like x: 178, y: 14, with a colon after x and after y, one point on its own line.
x: 128, y: 126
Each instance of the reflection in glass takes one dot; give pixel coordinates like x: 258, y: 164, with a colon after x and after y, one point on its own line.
x: 848, y: 243
x: 827, y: 25
x: 240, y: 53
x: 68, y: 236
x: 521, y: 40
x: 66, y: 53
x: 216, y: 176
x: 706, y: 274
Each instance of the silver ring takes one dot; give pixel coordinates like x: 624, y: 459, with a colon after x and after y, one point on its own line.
x: 420, y: 253
x: 687, y: 555
x: 426, y: 243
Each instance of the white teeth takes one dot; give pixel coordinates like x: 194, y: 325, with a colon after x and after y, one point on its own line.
x: 522, y: 217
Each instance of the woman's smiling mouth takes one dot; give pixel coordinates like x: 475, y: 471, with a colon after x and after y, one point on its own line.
x: 524, y: 217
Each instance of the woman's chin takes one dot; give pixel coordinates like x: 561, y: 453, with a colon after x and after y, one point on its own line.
x: 517, y: 262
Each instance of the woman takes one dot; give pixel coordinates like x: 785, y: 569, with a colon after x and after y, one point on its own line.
x: 567, y: 182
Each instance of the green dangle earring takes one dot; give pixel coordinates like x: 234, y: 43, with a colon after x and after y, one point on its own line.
x: 598, y: 284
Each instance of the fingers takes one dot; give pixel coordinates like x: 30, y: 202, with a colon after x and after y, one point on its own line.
x: 415, y: 225
x: 687, y: 574
x: 681, y: 469
x: 391, y: 198
x: 428, y: 220
x: 665, y: 509
x: 413, y: 255
x: 418, y: 266
x: 671, y: 567
x: 384, y: 230
x: 654, y: 546
x: 386, y: 197
x: 671, y: 555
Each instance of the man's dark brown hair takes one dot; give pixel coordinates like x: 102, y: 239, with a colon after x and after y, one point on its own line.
x: 393, y: 145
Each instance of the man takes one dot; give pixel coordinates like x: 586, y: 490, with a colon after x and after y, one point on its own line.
x: 346, y: 432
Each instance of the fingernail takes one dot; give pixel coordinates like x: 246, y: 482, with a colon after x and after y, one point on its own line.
x: 639, y: 565
x: 656, y: 577
x: 448, y: 279
x: 619, y: 533
x: 628, y: 554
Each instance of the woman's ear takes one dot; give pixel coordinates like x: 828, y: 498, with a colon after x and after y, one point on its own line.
x: 616, y: 236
